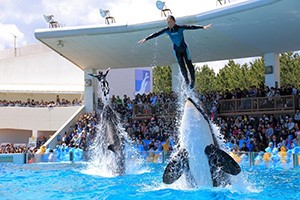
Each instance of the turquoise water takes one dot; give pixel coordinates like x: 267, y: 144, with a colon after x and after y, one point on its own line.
x: 75, y: 181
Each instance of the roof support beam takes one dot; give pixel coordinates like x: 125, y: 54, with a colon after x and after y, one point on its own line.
x: 272, y: 69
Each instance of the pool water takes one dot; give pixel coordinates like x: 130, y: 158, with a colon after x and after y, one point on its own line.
x: 77, y: 181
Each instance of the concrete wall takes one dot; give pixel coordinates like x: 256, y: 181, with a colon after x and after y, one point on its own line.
x: 122, y: 81
x: 18, y: 124
x: 47, y: 119
x: 16, y: 158
x: 36, y: 68
x: 14, y: 136
x: 37, y: 72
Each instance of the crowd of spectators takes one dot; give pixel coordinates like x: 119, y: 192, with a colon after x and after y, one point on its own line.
x: 12, y: 148
x: 34, y: 103
x: 152, y: 129
x: 253, y: 91
x: 151, y: 134
x: 143, y: 104
x: 81, y: 134
x: 246, y: 133
x: 241, y: 133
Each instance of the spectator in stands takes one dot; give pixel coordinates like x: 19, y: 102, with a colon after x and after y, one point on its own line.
x: 244, y: 148
x: 290, y: 124
x: 297, y: 116
x: 269, y: 132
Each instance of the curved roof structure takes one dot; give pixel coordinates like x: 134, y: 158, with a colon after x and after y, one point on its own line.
x: 247, y: 29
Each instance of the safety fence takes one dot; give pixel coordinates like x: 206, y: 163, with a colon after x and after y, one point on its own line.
x: 250, y: 105
x: 256, y: 105
x: 287, y: 159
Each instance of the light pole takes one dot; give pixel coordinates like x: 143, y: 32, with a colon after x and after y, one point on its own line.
x: 15, y: 44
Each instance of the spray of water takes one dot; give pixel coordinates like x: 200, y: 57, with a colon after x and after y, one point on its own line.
x: 110, y: 153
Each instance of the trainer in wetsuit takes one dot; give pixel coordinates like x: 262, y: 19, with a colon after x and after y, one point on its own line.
x: 102, y: 79
x: 175, y: 33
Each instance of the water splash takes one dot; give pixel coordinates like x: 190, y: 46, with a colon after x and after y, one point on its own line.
x: 111, y: 154
x: 155, y: 52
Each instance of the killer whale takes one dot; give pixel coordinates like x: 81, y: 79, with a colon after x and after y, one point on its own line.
x: 199, y: 156
x: 108, y: 148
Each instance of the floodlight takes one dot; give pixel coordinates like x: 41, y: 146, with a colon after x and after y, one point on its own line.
x: 163, y: 8
x: 49, y: 18
x: 220, y: 2
x: 51, y: 21
x: 160, y: 5
x: 106, y: 14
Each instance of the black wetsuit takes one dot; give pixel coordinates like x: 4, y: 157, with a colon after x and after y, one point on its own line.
x: 180, y: 48
x: 102, y: 79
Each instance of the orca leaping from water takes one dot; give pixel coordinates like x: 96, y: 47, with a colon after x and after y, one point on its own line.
x: 111, y: 141
x: 199, y: 156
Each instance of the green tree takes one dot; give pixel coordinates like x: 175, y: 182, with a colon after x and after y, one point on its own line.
x: 290, y: 69
x: 205, y: 79
x: 256, y: 73
x: 162, y: 79
x: 230, y: 77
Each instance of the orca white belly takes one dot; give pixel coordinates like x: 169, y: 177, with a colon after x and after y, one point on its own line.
x: 195, y: 135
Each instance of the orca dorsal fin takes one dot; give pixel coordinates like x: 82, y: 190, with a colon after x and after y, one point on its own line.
x: 221, y: 159
x: 176, y: 167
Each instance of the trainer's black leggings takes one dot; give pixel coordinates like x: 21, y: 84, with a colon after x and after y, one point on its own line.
x: 183, y: 57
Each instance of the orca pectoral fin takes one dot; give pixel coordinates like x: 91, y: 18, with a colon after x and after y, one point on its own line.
x: 176, y: 167
x: 222, y: 159
x: 228, y: 164
x: 111, y: 147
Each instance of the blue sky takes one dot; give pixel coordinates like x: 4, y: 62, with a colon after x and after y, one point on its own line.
x: 19, y: 18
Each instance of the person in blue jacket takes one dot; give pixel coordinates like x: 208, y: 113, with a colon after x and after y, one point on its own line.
x: 175, y: 33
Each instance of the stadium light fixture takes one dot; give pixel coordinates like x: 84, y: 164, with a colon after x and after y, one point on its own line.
x: 161, y: 5
x: 220, y: 2
x: 106, y: 15
x: 51, y: 21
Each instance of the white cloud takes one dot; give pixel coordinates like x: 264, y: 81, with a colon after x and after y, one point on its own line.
x: 9, y: 34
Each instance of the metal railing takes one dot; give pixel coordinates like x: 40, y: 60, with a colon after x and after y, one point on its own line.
x: 251, y: 105
x: 146, y: 110
x: 280, y: 104
x: 290, y: 160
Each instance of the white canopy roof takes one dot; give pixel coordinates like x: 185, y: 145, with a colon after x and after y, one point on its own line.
x: 247, y: 29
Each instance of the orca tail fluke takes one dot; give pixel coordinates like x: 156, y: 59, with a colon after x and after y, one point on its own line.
x: 220, y: 158
x: 176, y: 167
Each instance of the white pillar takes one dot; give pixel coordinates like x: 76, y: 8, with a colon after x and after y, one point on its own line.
x: 35, y: 134
x: 33, y: 139
x: 176, y: 78
x: 272, y: 69
x: 88, y: 91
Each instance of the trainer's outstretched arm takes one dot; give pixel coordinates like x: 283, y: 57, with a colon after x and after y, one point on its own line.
x: 142, y: 41
x: 207, y: 26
